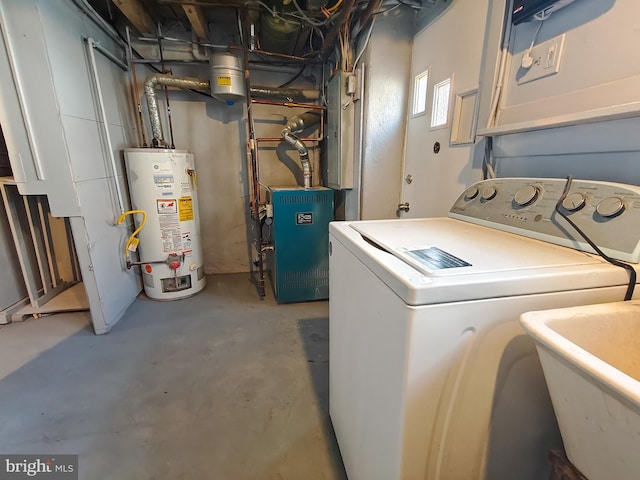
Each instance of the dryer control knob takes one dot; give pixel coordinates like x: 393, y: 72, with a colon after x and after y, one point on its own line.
x: 610, y: 207
x: 574, y: 202
x: 526, y: 195
x: 488, y: 193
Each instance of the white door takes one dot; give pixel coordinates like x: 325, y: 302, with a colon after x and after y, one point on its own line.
x: 437, y: 165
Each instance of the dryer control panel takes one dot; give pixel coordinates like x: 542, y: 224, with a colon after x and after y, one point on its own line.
x: 608, y: 213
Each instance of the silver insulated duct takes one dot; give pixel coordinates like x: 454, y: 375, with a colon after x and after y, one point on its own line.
x: 160, y: 80
x: 296, y: 125
x: 286, y: 93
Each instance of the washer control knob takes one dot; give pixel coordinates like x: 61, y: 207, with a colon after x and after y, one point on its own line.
x: 526, y: 195
x: 610, y: 207
x: 488, y: 193
x: 574, y: 202
x: 471, y: 193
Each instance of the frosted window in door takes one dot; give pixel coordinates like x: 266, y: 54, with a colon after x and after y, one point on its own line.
x: 420, y: 93
x: 439, y: 115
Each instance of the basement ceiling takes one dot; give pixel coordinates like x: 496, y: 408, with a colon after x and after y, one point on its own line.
x: 309, y: 28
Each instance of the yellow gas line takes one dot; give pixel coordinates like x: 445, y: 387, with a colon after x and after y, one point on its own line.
x: 133, y: 241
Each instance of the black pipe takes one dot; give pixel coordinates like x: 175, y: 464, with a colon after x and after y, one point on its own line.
x: 254, y: 184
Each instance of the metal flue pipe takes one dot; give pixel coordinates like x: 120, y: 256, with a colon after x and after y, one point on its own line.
x: 161, y: 80
x: 307, y: 94
x: 296, y: 125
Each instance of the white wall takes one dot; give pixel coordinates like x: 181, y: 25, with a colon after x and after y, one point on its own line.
x: 387, y: 62
x: 598, y: 74
x: 599, y: 61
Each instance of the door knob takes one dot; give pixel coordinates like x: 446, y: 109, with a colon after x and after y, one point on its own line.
x: 403, y: 207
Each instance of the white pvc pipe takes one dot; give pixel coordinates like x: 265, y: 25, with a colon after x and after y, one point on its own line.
x: 110, y: 56
x: 360, y: 159
x: 89, y: 11
x: 114, y: 169
x: 504, y: 53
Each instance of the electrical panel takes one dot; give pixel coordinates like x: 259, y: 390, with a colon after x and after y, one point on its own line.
x: 340, y: 136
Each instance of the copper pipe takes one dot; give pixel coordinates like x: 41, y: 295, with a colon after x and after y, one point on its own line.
x: 219, y: 3
x: 135, y: 90
x: 281, y: 55
x: 288, y: 104
x: 243, y: 21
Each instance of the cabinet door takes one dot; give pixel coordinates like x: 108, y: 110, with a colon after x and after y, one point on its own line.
x: 14, y: 128
x: 29, y: 110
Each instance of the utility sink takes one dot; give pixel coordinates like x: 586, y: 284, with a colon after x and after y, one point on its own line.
x: 591, y: 361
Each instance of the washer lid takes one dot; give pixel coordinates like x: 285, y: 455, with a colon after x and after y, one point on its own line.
x: 440, y: 246
x: 436, y: 260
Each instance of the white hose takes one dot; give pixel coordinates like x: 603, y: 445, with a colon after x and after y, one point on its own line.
x: 504, y: 53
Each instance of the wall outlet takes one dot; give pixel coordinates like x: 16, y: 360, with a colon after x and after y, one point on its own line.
x: 546, y: 59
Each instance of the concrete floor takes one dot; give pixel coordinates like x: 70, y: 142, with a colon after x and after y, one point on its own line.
x: 219, y: 386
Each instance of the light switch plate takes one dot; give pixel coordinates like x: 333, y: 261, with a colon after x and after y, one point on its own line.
x: 546, y: 60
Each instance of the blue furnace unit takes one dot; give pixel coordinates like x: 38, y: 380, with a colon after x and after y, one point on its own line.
x: 299, y: 261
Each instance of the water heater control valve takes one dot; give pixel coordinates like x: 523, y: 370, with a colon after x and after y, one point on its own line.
x: 174, y: 261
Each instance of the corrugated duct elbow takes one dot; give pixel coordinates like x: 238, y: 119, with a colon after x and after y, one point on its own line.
x: 296, y: 125
x: 161, y: 80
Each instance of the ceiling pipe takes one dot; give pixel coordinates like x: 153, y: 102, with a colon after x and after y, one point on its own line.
x: 296, y: 125
x: 288, y: 93
x: 90, y: 12
x: 161, y: 80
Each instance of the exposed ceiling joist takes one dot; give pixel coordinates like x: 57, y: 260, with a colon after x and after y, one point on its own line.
x: 197, y: 20
x: 137, y: 15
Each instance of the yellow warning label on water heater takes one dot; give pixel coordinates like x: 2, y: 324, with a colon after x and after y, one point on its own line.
x: 224, y: 81
x: 185, y: 209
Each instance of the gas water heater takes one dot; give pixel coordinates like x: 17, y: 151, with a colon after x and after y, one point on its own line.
x: 162, y: 183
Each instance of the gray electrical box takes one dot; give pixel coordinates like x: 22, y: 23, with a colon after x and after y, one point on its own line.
x: 340, y: 131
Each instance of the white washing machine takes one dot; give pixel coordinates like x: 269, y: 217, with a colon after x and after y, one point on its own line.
x: 431, y: 376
